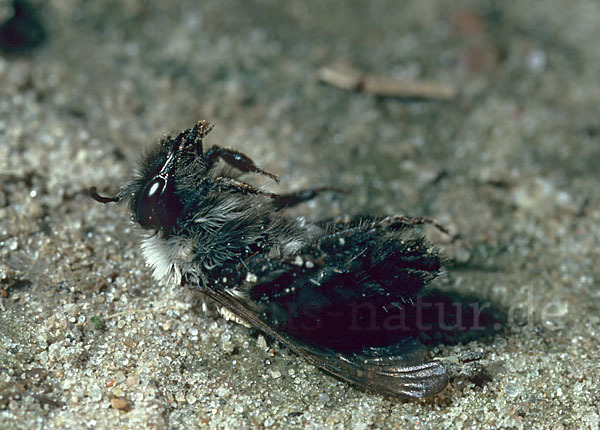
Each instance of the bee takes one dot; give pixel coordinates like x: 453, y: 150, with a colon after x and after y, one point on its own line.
x: 337, y: 292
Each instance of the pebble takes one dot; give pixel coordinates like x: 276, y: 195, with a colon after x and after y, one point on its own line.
x: 121, y: 404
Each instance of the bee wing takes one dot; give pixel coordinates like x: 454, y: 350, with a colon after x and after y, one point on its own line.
x: 397, y: 370
x: 387, y: 370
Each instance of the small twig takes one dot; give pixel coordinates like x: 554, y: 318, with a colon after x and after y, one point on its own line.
x: 349, y: 79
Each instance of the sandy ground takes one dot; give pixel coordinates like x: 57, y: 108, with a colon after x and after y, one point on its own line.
x: 89, y: 340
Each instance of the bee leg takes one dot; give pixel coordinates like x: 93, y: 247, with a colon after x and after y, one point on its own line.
x: 400, y: 221
x: 233, y: 185
x: 294, y: 198
x: 200, y: 130
x: 235, y: 159
x: 193, y: 136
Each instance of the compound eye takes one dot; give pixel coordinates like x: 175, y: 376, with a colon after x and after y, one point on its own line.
x: 148, y: 206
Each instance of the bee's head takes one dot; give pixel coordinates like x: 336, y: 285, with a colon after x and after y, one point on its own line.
x: 155, y: 196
